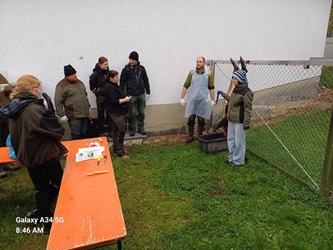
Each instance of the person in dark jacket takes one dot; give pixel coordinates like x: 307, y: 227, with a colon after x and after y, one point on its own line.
x: 97, y: 83
x: 35, y: 135
x: 239, y: 116
x: 72, y: 104
x: 5, y: 91
x: 117, y: 109
x: 135, y: 82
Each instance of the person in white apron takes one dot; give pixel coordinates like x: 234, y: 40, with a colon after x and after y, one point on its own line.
x: 199, y: 91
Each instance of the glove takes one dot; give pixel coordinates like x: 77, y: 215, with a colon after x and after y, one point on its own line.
x: 63, y: 119
x: 213, y: 102
x: 182, y: 102
x: 219, y: 92
x: 147, y: 97
x: 246, y: 126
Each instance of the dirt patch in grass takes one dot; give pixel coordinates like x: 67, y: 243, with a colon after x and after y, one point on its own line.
x: 168, y: 139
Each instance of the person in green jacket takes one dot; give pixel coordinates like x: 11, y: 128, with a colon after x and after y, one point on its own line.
x: 239, y: 116
x: 72, y: 103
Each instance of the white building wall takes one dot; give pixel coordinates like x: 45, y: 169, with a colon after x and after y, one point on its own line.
x: 39, y: 37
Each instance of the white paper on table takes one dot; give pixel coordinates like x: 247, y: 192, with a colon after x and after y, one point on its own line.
x: 89, y: 153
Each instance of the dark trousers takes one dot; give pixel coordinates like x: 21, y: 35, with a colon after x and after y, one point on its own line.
x: 191, y: 120
x: 78, y: 127
x: 4, y: 131
x: 46, y: 180
x: 101, y: 105
x: 137, y: 104
x: 118, y: 133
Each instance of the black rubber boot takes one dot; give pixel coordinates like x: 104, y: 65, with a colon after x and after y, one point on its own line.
x: 200, y: 128
x: 190, y: 133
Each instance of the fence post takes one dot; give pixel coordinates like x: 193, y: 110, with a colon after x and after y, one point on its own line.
x: 327, y: 174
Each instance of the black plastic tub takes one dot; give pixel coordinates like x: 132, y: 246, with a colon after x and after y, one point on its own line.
x: 213, y: 143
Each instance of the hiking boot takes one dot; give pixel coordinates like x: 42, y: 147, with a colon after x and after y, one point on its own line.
x: 3, y: 174
x: 10, y: 167
x: 190, y: 137
x: 142, y: 131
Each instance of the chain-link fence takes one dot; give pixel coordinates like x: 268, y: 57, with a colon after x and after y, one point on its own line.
x: 291, y: 114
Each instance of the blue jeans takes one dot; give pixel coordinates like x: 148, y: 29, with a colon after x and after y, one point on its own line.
x: 136, y: 104
x: 236, y: 143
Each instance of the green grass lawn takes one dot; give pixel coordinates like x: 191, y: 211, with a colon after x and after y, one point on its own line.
x: 174, y: 196
x: 304, y: 135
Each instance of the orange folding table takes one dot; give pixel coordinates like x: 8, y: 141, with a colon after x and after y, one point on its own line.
x: 88, y: 211
x: 4, y: 156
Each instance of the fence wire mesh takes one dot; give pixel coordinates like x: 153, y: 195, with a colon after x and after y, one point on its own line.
x: 291, y: 112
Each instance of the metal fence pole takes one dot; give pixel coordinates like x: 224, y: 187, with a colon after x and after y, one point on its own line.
x: 327, y: 175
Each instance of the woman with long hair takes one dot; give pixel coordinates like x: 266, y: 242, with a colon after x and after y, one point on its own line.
x: 117, y: 109
x: 35, y: 135
x: 97, y: 83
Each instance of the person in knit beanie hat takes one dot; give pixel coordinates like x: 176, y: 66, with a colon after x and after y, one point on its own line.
x: 239, y: 116
x: 69, y: 70
x: 240, y: 75
x: 134, y: 55
x: 72, y: 104
x: 134, y: 80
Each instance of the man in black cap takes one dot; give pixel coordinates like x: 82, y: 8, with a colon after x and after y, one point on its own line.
x: 135, y: 82
x: 72, y: 103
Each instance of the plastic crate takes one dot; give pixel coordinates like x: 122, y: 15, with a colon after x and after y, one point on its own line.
x: 213, y: 143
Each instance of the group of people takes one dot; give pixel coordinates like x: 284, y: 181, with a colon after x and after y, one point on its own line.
x: 35, y: 131
x: 199, y: 90
x: 116, y: 97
